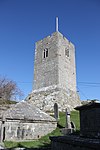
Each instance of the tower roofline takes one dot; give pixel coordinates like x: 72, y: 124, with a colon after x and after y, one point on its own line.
x: 53, y: 34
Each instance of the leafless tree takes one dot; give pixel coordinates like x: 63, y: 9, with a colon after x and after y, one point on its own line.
x: 9, y: 89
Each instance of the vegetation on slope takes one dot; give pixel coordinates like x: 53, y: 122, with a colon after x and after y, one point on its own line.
x: 6, y: 102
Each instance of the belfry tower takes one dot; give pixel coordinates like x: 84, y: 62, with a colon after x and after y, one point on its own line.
x: 54, y: 73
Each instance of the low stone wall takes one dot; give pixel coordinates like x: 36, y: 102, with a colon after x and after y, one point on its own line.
x: 74, y: 143
x: 15, y: 130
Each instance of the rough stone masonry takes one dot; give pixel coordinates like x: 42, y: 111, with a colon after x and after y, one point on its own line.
x: 54, y: 74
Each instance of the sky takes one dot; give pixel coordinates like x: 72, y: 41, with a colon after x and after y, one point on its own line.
x: 24, y: 22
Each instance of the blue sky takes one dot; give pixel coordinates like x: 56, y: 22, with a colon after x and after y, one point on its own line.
x: 23, y: 22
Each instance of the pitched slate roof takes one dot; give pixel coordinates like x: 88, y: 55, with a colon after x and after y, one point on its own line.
x: 25, y: 110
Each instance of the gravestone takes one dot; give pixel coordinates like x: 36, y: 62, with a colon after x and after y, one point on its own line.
x: 68, y: 128
x: 56, y: 111
x: 68, y: 122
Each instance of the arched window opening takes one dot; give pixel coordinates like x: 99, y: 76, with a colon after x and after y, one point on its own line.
x: 45, y: 52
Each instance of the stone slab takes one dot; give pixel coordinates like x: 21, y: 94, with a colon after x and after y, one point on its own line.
x: 73, y: 142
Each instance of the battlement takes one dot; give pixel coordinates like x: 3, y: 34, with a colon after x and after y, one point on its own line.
x: 54, y: 35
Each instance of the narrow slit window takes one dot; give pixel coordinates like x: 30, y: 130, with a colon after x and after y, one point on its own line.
x: 44, y: 53
x: 67, y: 52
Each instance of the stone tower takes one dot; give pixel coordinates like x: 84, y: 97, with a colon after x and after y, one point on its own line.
x: 54, y: 74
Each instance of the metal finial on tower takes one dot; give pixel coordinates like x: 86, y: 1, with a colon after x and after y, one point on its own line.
x: 56, y: 24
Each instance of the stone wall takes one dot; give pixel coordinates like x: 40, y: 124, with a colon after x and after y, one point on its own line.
x: 46, y: 69
x: 45, y: 98
x: 59, y: 67
x: 29, y: 130
x: 66, y: 64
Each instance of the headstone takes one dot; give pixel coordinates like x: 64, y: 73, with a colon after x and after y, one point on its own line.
x: 68, y: 122
x: 56, y: 112
x: 68, y: 128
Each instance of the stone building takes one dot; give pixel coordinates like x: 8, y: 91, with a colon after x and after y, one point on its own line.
x: 54, y: 74
x: 25, y: 122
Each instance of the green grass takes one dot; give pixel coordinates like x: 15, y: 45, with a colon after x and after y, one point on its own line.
x: 45, y: 141
x: 75, y: 119
x: 42, y: 142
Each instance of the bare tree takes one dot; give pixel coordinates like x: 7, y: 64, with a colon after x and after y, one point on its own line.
x: 9, y: 89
